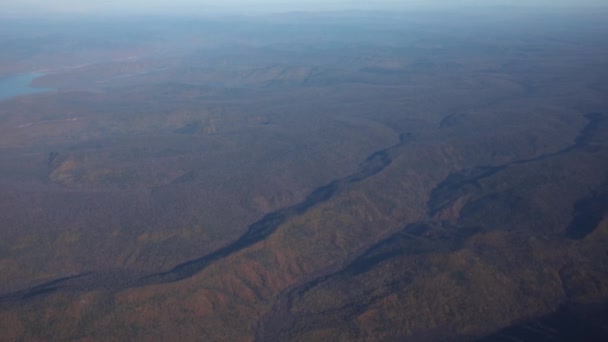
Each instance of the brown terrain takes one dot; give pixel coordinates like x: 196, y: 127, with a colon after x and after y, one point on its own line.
x: 303, y: 177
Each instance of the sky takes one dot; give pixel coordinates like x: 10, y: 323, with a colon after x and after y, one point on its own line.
x: 147, y: 6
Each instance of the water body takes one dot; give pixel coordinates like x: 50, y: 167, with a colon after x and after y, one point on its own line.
x: 19, y: 85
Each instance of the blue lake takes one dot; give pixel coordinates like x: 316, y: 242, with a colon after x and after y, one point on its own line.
x: 19, y: 85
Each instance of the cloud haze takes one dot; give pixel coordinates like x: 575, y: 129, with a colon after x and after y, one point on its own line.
x: 146, y: 6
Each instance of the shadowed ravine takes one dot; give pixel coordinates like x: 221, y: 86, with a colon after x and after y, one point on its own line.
x: 448, y: 191
x: 459, y: 183
x: 412, y: 239
x: 580, y: 322
x: 261, y: 229
x: 588, y: 213
x: 256, y: 232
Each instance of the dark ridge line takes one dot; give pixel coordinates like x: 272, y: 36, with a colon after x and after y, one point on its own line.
x: 268, y: 224
x: 354, y: 308
x: 454, y: 182
x: 366, y: 260
x: 256, y: 232
x: 457, y: 181
x: 42, y: 289
x: 451, y: 238
x: 570, y: 322
x: 588, y: 212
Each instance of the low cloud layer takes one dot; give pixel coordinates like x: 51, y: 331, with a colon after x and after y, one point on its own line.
x: 143, y: 6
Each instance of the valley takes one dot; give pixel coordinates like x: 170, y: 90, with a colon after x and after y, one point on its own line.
x: 340, y: 176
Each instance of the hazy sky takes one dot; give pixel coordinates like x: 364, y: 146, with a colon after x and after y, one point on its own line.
x: 145, y: 6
